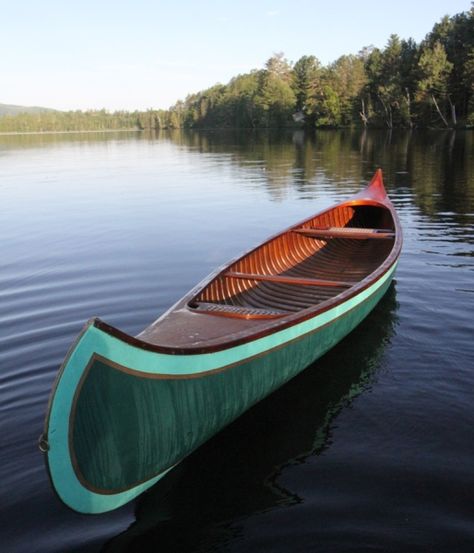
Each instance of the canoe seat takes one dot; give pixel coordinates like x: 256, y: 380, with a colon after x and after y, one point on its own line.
x: 236, y: 310
x: 290, y: 280
x: 346, y: 232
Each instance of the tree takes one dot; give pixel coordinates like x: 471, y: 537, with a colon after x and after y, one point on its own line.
x: 328, y: 109
x: 306, y: 82
x: 468, y: 81
x: 434, y: 75
x: 347, y: 77
x: 279, y: 66
x: 409, y: 57
x: 274, y: 100
x: 389, y: 88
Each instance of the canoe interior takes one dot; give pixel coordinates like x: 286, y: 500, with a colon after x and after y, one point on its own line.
x: 304, y: 266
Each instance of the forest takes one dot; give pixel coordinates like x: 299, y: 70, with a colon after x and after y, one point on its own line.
x: 405, y: 84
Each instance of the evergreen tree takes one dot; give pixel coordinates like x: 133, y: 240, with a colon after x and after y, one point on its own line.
x: 306, y: 83
x: 433, y: 83
x: 275, y: 100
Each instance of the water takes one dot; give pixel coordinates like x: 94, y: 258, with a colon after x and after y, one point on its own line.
x: 371, y: 448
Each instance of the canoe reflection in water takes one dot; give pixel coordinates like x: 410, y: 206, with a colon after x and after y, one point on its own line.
x: 198, y: 506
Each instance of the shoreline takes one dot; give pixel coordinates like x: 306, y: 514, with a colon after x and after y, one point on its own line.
x: 105, y: 131
x: 18, y: 133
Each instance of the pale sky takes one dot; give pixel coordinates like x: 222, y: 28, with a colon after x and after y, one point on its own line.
x: 140, y: 54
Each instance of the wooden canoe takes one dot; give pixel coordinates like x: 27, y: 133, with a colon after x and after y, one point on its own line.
x: 125, y: 410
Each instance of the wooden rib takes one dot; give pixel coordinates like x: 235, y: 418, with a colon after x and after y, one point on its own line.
x: 289, y: 280
x: 346, y: 232
x: 284, y: 296
x: 289, y: 267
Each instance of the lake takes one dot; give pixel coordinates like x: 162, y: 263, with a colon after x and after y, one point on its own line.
x: 370, y: 449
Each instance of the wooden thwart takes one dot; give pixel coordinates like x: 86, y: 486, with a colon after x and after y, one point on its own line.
x: 346, y: 232
x: 289, y: 280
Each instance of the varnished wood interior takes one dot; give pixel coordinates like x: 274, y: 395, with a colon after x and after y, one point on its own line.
x: 304, y: 266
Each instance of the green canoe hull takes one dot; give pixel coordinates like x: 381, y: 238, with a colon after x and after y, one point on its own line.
x: 121, y: 417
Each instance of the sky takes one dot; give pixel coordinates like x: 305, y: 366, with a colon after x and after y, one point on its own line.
x: 147, y: 54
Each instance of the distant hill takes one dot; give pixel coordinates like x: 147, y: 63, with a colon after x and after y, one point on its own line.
x: 9, y: 109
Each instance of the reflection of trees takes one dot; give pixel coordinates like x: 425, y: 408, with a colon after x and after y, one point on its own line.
x: 236, y: 474
x: 295, y: 159
x: 438, y: 166
x: 283, y: 160
x: 443, y: 175
x: 45, y: 140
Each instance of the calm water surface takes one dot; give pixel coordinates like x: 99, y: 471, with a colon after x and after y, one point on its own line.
x: 369, y: 449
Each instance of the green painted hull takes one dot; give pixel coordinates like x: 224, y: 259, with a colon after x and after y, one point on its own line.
x: 120, y: 417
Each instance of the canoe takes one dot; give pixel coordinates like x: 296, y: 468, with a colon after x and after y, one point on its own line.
x: 125, y: 410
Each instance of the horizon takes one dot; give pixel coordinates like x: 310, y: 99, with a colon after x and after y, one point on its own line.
x: 149, y: 56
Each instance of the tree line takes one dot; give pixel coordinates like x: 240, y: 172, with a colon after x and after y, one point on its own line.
x: 91, y: 120
x: 405, y: 84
